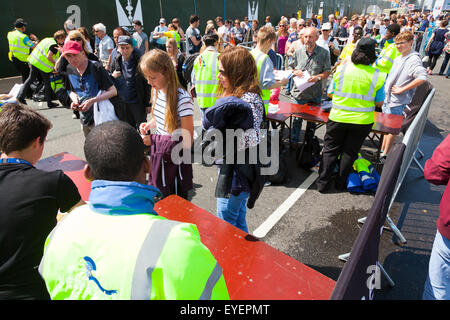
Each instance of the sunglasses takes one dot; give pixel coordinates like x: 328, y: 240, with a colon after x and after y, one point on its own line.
x: 76, y: 39
x: 80, y: 81
x: 222, y: 72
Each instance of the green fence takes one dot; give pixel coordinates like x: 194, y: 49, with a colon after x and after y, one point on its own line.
x: 45, y: 17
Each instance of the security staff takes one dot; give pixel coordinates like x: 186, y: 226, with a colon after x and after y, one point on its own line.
x: 42, y: 60
x: 390, y: 52
x: 265, y: 38
x: 117, y: 247
x: 19, y: 47
x: 205, y: 72
x: 358, y: 88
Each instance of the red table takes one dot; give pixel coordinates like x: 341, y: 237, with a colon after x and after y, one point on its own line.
x: 253, y: 270
x: 383, y: 124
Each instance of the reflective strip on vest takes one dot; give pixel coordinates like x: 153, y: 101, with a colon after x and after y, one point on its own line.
x: 353, y: 108
x: 149, y: 254
x: 211, y: 283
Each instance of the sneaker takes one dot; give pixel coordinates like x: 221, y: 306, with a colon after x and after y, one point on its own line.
x: 21, y: 100
x: 382, y: 159
x: 267, y: 183
x: 52, y: 105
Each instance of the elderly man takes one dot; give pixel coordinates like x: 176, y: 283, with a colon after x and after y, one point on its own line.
x: 131, y: 85
x: 316, y: 61
x: 86, y: 79
x: 106, y: 44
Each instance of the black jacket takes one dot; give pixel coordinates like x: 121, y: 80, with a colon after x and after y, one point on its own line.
x: 233, y: 113
x: 142, y: 87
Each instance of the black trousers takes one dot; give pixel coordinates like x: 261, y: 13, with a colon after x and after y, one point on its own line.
x: 35, y: 72
x: 345, y: 140
x: 22, y: 67
x: 433, y: 60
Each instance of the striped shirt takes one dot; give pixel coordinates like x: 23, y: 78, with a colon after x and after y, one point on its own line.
x: 185, y: 108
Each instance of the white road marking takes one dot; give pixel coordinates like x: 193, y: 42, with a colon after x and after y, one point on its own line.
x: 270, y: 222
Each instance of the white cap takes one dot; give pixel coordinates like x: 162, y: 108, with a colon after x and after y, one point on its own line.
x: 326, y: 26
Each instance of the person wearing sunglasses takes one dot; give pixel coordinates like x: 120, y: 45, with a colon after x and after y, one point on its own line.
x: 237, y: 33
x: 159, y: 36
x: 85, y: 79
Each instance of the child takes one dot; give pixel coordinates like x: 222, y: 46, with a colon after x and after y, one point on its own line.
x: 172, y: 109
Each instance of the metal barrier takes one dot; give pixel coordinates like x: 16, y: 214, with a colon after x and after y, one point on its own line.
x: 411, y: 140
x: 361, y: 274
x: 280, y: 62
x: 247, y: 45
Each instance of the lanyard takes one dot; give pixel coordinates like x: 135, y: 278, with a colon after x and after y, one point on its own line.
x: 15, y: 160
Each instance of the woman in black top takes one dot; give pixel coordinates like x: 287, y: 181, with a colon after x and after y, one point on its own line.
x: 436, y: 45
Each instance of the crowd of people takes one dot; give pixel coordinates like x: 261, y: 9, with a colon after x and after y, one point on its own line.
x: 361, y: 63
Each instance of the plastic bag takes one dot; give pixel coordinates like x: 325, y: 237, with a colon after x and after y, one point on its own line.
x: 104, y: 111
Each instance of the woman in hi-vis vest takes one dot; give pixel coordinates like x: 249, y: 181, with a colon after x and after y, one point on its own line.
x: 358, y: 88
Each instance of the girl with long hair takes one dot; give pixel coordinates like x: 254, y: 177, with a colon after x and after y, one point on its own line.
x: 172, y: 110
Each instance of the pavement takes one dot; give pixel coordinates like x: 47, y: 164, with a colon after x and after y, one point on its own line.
x: 311, y: 227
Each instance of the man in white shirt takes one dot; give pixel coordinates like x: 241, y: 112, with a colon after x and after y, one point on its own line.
x: 106, y: 44
x: 328, y: 42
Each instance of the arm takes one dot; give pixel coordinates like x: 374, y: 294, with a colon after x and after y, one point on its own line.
x: 50, y: 56
x: 108, y: 94
x: 437, y: 169
x: 413, y: 84
x: 195, y: 41
x: 187, y: 124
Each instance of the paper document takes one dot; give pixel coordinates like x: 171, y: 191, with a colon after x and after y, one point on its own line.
x: 273, y: 108
x: 282, y: 74
x: 302, y: 83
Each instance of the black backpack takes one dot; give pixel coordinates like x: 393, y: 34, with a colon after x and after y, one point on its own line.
x: 309, y: 154
x: 188, y: 65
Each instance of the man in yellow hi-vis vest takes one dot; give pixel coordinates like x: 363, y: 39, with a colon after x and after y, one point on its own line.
x: 19, y: 47
x: 117, y: 247
x: 358, y: 88
x: 42, y: 60
x: 264, y: 40
x: 387, y: 56
x: 205, y: 72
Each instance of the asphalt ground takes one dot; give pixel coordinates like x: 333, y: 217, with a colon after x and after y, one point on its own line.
x: 311, y: 227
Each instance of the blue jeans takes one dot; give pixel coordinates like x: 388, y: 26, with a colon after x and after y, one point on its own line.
x: 437, y: 286
x: 394, y: 110
x: 234, y: 210
x: 444, y: 64
x: 297, y: 122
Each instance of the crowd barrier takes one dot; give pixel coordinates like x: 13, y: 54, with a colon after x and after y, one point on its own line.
x: 361, y: 274
x: 411, y: 141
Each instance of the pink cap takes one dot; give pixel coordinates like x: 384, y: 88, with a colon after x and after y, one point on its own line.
x: 72, y: 47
